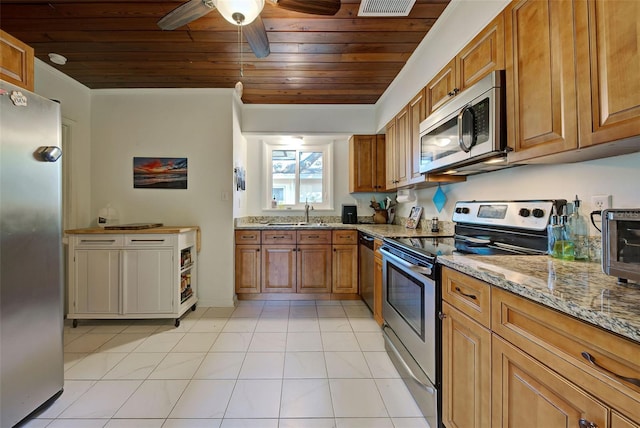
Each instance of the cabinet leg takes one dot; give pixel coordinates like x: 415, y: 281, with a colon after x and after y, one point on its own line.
x: 193, y: 308
x: 75, y: 323
x: 177, y: 323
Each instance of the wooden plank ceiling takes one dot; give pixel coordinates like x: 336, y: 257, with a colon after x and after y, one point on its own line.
x: 341, y: 59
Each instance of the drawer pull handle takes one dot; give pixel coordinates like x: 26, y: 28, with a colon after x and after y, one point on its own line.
x: 583, y: 423
x: 313, y: 236
x: 587, y: 356
x: 97, y: 241
x: 471, y: 296
x: 279, y: 237
x: 248, y: 237
x: 147, y: 240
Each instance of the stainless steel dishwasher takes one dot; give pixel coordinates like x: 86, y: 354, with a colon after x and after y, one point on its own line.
x: 365, y: 268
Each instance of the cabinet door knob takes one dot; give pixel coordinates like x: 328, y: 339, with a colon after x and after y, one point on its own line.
x: 583, y: 423
x: 442, y: 315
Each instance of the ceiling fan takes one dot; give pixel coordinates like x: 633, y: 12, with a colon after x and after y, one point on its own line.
x: 245, y: 13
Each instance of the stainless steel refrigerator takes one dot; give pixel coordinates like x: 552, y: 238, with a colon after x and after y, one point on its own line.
x: 31, y: 301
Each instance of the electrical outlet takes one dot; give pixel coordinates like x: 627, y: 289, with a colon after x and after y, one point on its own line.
x: 600, y: 202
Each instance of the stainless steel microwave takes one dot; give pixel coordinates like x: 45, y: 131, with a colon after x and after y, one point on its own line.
x: 469, y: 132
x: 621, y: 243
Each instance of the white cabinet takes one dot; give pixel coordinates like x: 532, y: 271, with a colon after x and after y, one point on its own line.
x: 133, y: 275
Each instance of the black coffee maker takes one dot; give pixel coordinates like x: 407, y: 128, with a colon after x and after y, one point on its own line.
x: 349, y: 214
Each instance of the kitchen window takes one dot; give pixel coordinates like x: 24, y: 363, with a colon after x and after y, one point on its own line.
x: 295, y: 175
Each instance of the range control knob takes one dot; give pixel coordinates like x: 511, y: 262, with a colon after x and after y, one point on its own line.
x: 462, y: 210
x: 524, y: 212
x: 538, y: 213
x: 458, y: 210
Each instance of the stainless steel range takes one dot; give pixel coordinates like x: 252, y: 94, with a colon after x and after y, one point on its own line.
x: 412, y: 294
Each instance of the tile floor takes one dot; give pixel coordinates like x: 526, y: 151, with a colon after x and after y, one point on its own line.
x: 298, y: 364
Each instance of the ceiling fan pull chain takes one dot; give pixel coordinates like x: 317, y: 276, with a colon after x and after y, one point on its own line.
x: 240, y: 49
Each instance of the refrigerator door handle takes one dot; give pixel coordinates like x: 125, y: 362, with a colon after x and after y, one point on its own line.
x: 48, y: 153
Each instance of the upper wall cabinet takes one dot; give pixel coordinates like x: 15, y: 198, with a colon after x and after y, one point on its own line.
x: 608, y: 40
x: 367, y: 163
x: 482, y: 55
x: 541, y: 88
x: 572, y: 79
x: 16, y: 61
x: 397, y: 141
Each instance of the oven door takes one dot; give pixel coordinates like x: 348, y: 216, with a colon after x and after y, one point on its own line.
x: 410, y: 334
x: 409, y: 309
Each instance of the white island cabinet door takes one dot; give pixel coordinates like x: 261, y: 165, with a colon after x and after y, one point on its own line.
x: 149, y: 284
x: 97, y: 281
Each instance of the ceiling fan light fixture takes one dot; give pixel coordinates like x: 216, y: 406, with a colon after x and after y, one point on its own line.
x: 239, y: 12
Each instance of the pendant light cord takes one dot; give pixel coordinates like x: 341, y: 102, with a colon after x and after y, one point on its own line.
x: 240, y: 50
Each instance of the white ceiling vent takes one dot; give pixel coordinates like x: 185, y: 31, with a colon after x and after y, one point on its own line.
x: 385, y: 7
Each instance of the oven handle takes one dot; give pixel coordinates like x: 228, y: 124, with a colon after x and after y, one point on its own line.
x: 417, y: 269
x: 431, y: 390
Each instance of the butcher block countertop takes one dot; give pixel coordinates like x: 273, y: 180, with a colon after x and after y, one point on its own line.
x: 575, y: 288
x: 103, y: 231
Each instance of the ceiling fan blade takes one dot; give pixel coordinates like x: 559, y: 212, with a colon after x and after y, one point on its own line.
x: 313, y: 7
x: 256, y: 36
x: 185, y: 13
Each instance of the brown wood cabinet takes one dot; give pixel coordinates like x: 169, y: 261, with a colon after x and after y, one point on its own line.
x: 529, y: 359
x: 279, y: 269
x: 289, y: 262
x: 559, y: 341
x: 397, y: 161
x: 608, y: 64
x: 314, y: 268
x: 16, y: 61
x: 529, y: 394
x: 367, y: 163
x: 377, y: 282
x: 572, y: 79
x: 482, y: 55
x: 345, y: 261
x: 248, y: 261
x: 541, y: 86
x: 466, y: 351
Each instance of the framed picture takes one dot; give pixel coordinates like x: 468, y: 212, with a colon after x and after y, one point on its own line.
x: 159, y: 173
x: 414, y: 217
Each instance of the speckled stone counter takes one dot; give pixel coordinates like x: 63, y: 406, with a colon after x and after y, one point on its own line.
x: 575, y: 288
x: 376, y: 230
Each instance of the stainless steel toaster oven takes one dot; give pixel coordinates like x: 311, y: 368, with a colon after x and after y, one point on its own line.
x: 621, y: 243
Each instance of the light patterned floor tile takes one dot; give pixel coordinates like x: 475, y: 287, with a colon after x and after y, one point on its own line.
x: 203, y: 399
x: 137, y: 365
x: 102, y: 400
x: 255, y: 399
x: 153, y: 399
x: 306, y: 398
x: 178, y: 365
x: 94, y: 366
x: 220, y: 365
x: 305, y: 365
x: 356, y: 398
x: 262, y: 365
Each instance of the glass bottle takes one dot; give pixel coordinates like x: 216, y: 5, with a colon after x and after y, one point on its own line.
x: 578, y: 232
x: 553, y: 233
x: 564, y: 248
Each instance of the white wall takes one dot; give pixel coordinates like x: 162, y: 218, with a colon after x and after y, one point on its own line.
x: 196, y: 124
x: 617, y: 176
x: 458, y: 24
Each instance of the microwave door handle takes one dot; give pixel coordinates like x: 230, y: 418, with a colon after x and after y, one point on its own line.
x: 466, y: 109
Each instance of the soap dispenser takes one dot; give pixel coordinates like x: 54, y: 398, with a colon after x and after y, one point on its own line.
x: 564, y: 247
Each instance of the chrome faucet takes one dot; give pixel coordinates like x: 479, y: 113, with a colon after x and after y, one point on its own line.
x: 306, y: 210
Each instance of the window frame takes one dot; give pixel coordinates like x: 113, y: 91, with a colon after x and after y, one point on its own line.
x: 327, y: 175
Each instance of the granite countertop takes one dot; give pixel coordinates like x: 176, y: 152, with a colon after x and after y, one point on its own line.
x: 575, y: 288
x: 376, y: 230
